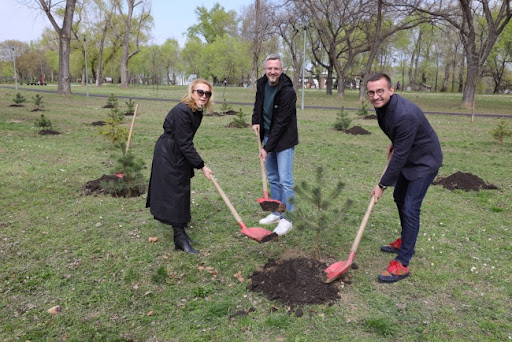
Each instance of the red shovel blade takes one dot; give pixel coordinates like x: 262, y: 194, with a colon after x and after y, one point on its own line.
x: 257, y: 233
x: 338, y: 268
x: 268, y: 204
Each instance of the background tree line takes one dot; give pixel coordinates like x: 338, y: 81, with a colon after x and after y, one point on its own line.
x: 451, y: 46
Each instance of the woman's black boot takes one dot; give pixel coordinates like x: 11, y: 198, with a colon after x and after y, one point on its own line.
x: 181, y: 241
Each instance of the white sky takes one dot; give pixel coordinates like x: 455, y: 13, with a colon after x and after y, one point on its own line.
x: 171, y: 18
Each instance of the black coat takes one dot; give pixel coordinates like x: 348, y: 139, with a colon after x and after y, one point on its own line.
x: 283, y: 127
x: 174, y: 160
x: 416, y: 148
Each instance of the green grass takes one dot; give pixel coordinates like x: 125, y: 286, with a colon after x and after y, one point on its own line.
x: 92, y: 255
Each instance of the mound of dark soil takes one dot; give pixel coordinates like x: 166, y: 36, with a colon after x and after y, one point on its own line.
x: 108, y: 106
x: 128, y: 114
x: 48, y: 132
x: 464, y: 181
x: 370, y: 117
x: 98, y: 123
x: 232, y: 125
x: 37, y: 110
x: 357, y: 130
x: 94, y: 186
x: 16, y: 105
x: 295, y: 281
x: 229, y: 112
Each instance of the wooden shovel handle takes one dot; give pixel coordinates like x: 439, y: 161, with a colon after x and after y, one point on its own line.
x: 131, y: 128
x: 368, y: 212
x: 262, y: 164
x: 226, y: 199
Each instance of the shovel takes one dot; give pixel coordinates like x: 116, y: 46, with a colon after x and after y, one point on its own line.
x: 257, y: 234
x: 338, y: 268
x: 266, y: 203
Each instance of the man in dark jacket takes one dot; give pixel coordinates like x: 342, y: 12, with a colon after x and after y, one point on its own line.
x: 416, y: 157
x: 275, y: 120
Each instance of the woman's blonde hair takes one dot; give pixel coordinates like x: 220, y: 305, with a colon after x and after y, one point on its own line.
x: 189, y: 100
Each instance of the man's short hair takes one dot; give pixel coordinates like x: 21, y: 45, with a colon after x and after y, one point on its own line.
x: 274, y: 56
x: 378, y: 76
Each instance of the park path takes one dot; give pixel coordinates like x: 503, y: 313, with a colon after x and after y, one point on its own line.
x: 39, y: 89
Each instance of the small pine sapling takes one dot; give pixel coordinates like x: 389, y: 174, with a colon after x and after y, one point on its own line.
x: 112, y: 129
x: 131, y: 181
x: 112, y: 101
x: 239, y: 120
x: 225, y: 106
x: 318, y: 214
x: 38, y: 102
x: 43, y: 123
x: 501, y: 131
x: 342, y: 120
x: 19, y: 99
x: 363, y: 111
x: 131, y: 106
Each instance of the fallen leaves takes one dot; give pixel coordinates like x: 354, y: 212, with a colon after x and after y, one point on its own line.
x: 238, y: 275
x: 55, y: 310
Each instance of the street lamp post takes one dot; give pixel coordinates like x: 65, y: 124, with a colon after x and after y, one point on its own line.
x: 14, y: 59
x: 86, y: 74
x: 303, y: 68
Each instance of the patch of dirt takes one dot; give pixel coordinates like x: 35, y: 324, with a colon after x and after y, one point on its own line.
x: 16, y: 105
x: 37, y: 110
x: 296, y: 281
x: 108, y: 106
x: 357, y: 130
x: 93, y: 187
x: 48, y: 132
x: 229, y: 112
x: 128, y: 114
x: 370, y: 117
x: 98, y: 123
x: 464, y: 181
x: 231, y: 125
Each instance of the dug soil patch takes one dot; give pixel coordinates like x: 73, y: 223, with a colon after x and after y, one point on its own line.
x: 296, y: 281
x: 370, y: 117
x: 464, y: 181
x: 357, y: 130
x: 94, y: 187
x: 48, y: 132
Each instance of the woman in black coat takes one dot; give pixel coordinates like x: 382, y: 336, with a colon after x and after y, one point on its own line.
x: 174, y: 160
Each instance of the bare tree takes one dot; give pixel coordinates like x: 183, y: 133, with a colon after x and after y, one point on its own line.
x: 143, y: 18
x: 479, y: 23
x: 64, y: 32
x: 378, y: 27
x: 290, y: 27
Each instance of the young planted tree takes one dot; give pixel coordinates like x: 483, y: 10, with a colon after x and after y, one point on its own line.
x: 43, y: 123
x: 38, y: 102
x: 131, y: 182
x: 363, y: 111
x: 239, y: 120
x: 342, y: 120
x: 19, y: 100
x: 319, y: 214
x: 501, y: 131
x: 112, y: 130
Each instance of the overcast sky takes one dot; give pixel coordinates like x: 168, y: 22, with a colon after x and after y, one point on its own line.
x: 171, y: 18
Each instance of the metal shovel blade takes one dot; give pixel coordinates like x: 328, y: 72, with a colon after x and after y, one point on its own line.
x: 255, y: 233
x: 334, y: 271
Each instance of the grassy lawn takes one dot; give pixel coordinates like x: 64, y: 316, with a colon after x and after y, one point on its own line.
x: 91, y: 255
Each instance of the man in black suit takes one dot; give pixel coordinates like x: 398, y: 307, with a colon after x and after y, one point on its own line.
x: 416, y: 157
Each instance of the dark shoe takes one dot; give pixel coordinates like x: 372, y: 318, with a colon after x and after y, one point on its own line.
x: 395, y: 272
x: 184, y: 245
x: 190, y: 240
x: 393, y: 247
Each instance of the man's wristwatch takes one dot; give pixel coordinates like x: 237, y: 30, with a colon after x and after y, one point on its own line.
x: 382, y: 186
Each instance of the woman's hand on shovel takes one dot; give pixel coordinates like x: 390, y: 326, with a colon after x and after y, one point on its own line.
x: 207, y: 172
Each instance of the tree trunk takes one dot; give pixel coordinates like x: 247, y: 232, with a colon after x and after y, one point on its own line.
x: 64, y: 33
x: 126, y: 44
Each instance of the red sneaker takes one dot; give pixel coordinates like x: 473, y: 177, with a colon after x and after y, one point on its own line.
x: 393, y: 247
x: 395, y: 272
